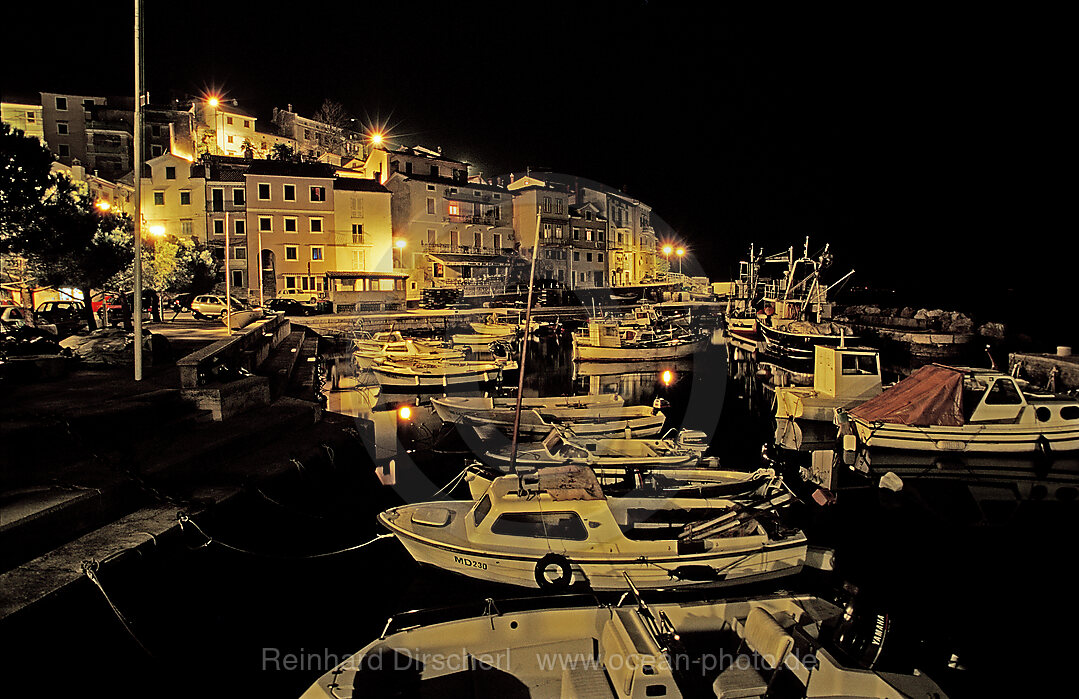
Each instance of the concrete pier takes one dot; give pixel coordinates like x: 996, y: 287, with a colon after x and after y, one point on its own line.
x: 1039, y: 369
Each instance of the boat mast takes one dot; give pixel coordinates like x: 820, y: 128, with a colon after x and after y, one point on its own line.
x: 524, y: 347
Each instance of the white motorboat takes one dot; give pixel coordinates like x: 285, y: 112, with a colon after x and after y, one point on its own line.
x: 780, y: 645
x: 502, y: 325
x: 438, y: 375
x: 683, y: 451
x: 949, y: 409
x: 556, y: 527
x: 606, y: 342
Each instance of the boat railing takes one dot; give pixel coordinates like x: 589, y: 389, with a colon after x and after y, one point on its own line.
x: 489, y: 607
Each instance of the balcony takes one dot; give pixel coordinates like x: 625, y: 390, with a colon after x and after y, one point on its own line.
x: 478, y: 219
x: 474, y: 250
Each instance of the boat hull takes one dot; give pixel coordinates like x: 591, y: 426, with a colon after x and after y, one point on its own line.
x: 799, y: 347
x: 402, y: 378
x: 987, y: 439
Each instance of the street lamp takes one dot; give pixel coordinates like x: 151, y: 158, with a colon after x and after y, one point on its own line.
x: 680, y: 252
x: 667, y: 249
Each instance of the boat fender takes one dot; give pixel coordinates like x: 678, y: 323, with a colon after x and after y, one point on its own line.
x: 563, y: 580
x: 695, y: 573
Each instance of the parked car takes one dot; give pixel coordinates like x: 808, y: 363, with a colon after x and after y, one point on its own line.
x: 108, y: 305
x: 67, y: 316
x: 298, y: 294
x: 208, y: 306
x: 290, y: 307
x: 181, y: 302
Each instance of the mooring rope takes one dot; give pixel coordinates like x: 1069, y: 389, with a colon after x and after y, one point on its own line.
x: 184, y: 519
x: 90, y: 568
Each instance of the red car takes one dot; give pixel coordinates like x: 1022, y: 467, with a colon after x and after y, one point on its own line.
x: 108, y: 302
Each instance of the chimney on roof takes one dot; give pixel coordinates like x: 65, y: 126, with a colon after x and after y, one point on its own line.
x: 290, y: 107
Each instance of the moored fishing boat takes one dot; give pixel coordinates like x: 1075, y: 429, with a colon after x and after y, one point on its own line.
x: 403, y: 351
x: 950, y: 409
x: 452, y: 408
x: 780, y: 645
x: 589, y: 422
x: 438, y: 375
x: 842, y: 377
x: 604, y: 342
x: 556, y: 527
x: 502, y: 325
x: 684, y: 450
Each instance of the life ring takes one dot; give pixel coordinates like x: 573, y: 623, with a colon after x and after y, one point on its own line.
x: 559, y: 583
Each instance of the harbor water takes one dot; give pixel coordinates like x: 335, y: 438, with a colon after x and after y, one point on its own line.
x: 956, y: 568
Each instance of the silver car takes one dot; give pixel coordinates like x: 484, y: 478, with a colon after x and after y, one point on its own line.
x: 213, y: 306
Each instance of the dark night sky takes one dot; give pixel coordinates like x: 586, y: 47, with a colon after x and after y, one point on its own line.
x: 919, y: 142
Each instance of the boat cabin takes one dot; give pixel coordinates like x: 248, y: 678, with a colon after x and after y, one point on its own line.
x: 992, y: 397
x: 846, y: 372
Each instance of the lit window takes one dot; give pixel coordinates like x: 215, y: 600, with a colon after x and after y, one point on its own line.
x: 316, y: 253
x: 454, y: 209
x: 318, y: 194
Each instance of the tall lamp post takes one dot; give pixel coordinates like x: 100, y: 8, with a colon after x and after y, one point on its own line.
x: 667, y: 250
x: 137, y: 146
x: 680, y: 252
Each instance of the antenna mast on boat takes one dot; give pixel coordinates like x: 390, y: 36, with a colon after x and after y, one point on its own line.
x: 524, y: 347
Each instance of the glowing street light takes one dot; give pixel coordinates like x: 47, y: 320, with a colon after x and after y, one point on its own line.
x: 400, y: 243
x: 103, y: 205
x: 376, y: 138
x: 667, y: 377
x: 667, y: 249
x: 157, y: 231
x: 680, y: 252
x: 213, y: 101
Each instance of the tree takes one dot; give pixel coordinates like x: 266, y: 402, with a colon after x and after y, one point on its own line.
x: 72, y: 243
x: 25, y: 178
x: 171, y: 265
x: 334, y: 115
x: 282, y: 151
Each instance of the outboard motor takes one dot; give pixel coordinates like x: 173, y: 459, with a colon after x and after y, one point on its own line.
x: 660, y: 404
x: 860, y: 635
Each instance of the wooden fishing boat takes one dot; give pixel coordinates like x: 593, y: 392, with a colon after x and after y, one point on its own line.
x: 950, y: 409
x: 579, y: 423
x: 402, y: 352
x: 438, y: 375
x: 556, y: 527
x: 683, y: 450
x: 780, y: 645
x: 604, y: 342
x: 842, y: 377
x: 502, y: 325
x: 452, y: 408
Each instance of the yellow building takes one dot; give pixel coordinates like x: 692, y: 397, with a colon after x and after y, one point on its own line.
x: 174, y: 197
x: 24, y: 116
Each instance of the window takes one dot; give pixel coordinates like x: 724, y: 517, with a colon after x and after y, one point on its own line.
x: 290, y: 192
x: 576, y: 256
x: 316, y: 253
x: 541, y: 525
x: 264, y: 191
x: 170, y: 173
x: 247, y: 123
x: 159, y: 198
x: 1003, y: 392
x: 546, y: 230
x: 496, y: 241
x: 228, y: 120
x: 65, y: 150
x: 316, y: 225
x: 239, y: 227
x: 576, y: 233
x: 187, y: 227
x: 292, y: 252
x: 219, y: 226
x: 237, y: 277
x: 430, y: 188
x: 217, y: 199
x: 61, y: 103
x: 185, y: 197
x: 156, y: 150
x: 478, y: 239
x: 432, y: 236
x: 483, y: 507
x: 547, y: 205
x: 859, y: 365
x: 454, y: 209
x: 318, y: 194
x: 558, y: 205
x: 599, y: 257
x: 290, y: 282
x: 430, y: 205
x: 265, y: 224
x: 588, y: 257
x: 238, y: 196
x: 291, y: 224
x: 61, y: 128
x: 230, y: 139
x: 357, y: 234
x: 239, y: 253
